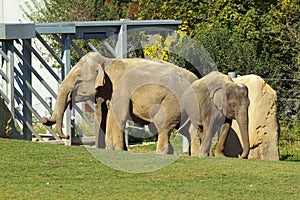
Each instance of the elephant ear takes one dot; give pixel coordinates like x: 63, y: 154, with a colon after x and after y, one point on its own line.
x: 216, y: 88
x: 100, y: 79
x: 219, y: 98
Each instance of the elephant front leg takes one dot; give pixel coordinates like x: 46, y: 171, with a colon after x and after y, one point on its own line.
x: 115, y: 137
x: 100, y: 123
x: 222, y: 139
x: 211, y: 126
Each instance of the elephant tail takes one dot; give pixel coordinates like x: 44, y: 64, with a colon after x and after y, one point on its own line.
x: 183, y: 125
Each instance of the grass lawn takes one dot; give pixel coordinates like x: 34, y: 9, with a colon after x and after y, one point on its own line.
x: 46, y: 171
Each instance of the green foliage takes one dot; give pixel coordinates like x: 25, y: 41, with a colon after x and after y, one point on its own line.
x: 159, y: 49
x: 289, y: 143
x: 231, y: 52
x: 61, y: 11
x: 294, y: 126
x: 235, y: 33
x: 38, y: 126
x: 182, y: 51
x: 191, y: 12
x: 250, y: 29
x: 260, y: 37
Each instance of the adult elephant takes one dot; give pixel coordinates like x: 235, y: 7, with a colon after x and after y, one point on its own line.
x: 78, y: 86
x: 220, y: 100
x: 147, y: 91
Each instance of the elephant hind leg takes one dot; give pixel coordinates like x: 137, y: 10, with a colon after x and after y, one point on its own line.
x: 164, y: 132
x: 163, y: 139
x: 163, y: 143
x: 165, y: 122
x: 210, y: 128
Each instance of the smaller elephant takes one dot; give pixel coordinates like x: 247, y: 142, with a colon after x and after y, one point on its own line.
x: 220, y: 100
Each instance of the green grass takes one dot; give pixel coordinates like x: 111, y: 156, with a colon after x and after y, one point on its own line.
x: 46, y: 171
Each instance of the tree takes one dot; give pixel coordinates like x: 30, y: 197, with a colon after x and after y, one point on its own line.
x: 89, y: 10
x: 260, y: 37
x: 230, y: 30
x: 287, y: 17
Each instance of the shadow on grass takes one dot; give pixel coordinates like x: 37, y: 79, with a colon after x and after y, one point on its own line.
x: 132, y: 162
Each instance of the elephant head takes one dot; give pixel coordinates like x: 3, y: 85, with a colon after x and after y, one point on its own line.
x: 79, y: 85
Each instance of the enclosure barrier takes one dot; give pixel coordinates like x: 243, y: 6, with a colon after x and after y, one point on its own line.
x: 20, y: 59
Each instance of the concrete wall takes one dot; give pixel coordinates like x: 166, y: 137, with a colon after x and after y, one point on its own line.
x: 11, y: 11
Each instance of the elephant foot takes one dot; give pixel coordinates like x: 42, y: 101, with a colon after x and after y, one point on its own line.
x: 109, y: 145
x: 46, y: 121
x: 120, y: 148
x: 194, y: 154
x: 64, y: 136
x: 219, y: 154
x: 203, y: 154
x: 242, y: 156
x: 165, y: 150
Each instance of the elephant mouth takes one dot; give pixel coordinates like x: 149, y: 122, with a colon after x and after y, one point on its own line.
x: 81, y: 93
x: 82, y: 97
x: 230, y: 114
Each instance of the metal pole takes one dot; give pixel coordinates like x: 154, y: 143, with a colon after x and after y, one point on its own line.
x: 232, y: 74
x: 9, y: 88
x: 66, y: 58
x: 4, y: 77
x: 27, y: 114
x: 126, y: 134
x: 121, y: 46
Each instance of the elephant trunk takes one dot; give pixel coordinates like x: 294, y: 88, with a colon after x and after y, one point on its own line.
x: 63, y: 99
x: 242, y: 120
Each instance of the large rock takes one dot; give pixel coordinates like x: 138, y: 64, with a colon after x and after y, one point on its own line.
x: 263, y: 125
x: 6, y: 120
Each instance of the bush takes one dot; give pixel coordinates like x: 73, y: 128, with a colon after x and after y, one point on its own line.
x: 289, y: 141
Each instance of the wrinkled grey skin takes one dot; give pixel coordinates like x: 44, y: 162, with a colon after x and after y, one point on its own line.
x: 146, y: 91
x: 220, y: 101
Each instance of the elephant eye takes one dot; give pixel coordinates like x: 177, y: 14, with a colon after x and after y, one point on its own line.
x: 232, y: 105
x: 200, y: 128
